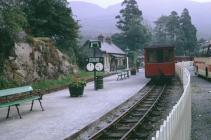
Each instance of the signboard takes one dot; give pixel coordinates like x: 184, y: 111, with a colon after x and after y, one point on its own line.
x: 94, y: 64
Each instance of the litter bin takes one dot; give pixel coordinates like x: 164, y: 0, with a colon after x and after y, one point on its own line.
x: 99, y: 82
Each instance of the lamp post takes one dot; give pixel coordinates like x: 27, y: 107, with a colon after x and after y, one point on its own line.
x: 94, y: 44
x: 127, y: 61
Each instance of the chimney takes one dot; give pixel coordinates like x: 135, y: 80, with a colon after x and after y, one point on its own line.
x: 108, y: 40
x: 101, y: 38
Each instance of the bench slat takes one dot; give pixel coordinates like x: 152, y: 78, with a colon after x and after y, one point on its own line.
x: 12, y: 91
x: 19, y: 101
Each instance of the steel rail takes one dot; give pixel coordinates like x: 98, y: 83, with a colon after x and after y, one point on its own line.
x: 142, y: 118
x: 100, y: 132
x: 118, y: 119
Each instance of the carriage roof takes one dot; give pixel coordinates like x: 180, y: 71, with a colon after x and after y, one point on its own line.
x: 159, y: 46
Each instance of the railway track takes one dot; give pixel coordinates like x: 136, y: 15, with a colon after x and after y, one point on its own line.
x: 123, y: 126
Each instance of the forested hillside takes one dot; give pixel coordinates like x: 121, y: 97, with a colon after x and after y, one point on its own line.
x: 103, y: 20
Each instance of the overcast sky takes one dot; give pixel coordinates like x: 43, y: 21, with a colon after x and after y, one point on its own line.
x: 106, y: 3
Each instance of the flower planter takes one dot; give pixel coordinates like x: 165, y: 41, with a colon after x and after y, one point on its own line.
x: 133, y: 71
x: 76, y: 91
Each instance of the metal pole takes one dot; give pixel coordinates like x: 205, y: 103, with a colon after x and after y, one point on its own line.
x: 127, y: 63
x: 95, y: 86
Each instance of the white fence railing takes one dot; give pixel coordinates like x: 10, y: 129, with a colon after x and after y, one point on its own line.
x: 177, y: 126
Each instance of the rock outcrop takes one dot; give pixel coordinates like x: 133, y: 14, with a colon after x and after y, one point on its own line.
x: 36, y: 61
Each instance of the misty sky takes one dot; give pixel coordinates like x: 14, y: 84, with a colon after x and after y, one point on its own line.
x: 106, y: 3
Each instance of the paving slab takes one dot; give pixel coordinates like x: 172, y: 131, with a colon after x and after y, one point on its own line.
x: 64, y: 115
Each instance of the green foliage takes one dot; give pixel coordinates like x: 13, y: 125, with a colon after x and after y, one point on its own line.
x: 133, y: 33
x: 133, y: 56
x: 189, y: 30
x: 176, y: 30
x: 118, y: 39
x: 52, y: 84
x: 12, y: 21
x: 52, y: 18
x: 4, y: 84
x: 38, y: 18
x: 77, y: 82
x: 63, y: 81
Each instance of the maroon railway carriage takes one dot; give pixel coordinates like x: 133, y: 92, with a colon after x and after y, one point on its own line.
x: 159, y: 61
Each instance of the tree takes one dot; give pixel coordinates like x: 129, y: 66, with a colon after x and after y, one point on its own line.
x: 133, y: 33
x: 190, y: 39
x: 54, y: 19
x: 178, y: 31
x: 12, y: 21
x: 175, y: 32
x: 160, y: 31
x: 173, y: 26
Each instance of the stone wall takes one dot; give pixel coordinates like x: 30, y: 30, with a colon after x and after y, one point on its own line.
x: 36, y: 61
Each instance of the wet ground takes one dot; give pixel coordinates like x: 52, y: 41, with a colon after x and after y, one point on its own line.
x: 201, y: 108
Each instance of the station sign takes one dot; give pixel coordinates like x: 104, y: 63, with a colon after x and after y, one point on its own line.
x: 94, y: 64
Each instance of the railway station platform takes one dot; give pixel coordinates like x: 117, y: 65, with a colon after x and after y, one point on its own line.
x: 63, y: 115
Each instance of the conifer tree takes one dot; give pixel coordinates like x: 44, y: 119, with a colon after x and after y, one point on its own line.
x: 130, y: 23
x: 189, y: 30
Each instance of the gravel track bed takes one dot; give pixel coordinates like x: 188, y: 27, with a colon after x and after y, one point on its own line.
x: 165, y: 104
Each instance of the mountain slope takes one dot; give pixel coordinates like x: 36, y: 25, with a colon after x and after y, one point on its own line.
x: 96, y: 20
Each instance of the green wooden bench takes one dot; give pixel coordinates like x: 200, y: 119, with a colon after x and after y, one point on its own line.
x: 122, y: 74
x: 16, y: 96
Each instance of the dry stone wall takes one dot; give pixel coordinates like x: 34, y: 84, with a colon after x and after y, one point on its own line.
x: 36, y: 61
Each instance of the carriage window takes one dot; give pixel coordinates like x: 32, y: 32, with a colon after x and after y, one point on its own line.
x: 205, y: 51
x: 160, y: 56
x: 209, y: 52
x: 168, y: 55
x: 200, y: 52
x: 151, y: 56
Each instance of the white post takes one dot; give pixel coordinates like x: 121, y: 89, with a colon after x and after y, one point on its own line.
x: 127, y: 63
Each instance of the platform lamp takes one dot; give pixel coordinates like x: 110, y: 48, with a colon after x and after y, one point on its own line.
x: 127, y: 61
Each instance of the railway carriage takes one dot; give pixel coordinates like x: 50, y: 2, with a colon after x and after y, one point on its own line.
x: 159, y: 61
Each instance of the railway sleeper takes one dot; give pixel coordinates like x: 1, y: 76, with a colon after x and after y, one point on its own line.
x: 155, y: 113
x: 130, y: 121
x: 139, y: 136
x: 113, y: 135
x: 152, y: 119
x: 148, y: 102
x: 150, y: 99
x: 137, y: 114
x: 141, y: 110
x: 121, y: 128
x: 153, y: 95
x: 145, y: 128
x: 146, y: 106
